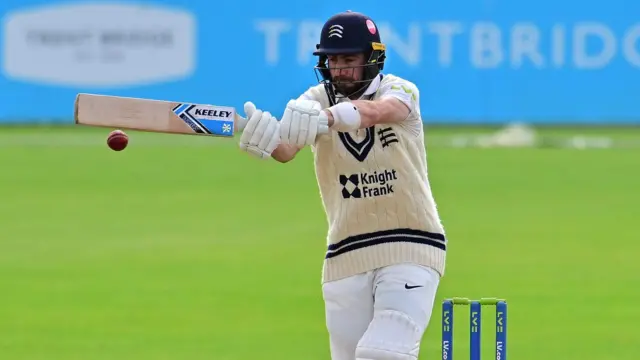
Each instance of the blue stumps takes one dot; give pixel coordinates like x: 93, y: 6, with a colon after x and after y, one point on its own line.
x: 475, y: 321
x: 475, y: 326
x: 447, y: 330
x: 501, y: 330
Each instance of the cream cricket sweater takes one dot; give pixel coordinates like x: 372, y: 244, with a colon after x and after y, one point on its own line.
x: 375, y: 191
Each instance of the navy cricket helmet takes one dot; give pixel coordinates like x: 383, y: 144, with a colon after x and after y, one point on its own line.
x: 349, y: 33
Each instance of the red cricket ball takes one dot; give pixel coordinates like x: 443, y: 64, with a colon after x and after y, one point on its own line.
x: 117, y: 140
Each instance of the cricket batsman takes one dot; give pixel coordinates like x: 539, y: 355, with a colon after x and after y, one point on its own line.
x: 386, y: 245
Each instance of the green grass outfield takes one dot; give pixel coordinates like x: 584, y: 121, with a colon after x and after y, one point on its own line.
x: 185, y: 248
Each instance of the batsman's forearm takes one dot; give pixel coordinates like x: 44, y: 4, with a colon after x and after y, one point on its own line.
x: 369, y: 113
x: 285, y: 153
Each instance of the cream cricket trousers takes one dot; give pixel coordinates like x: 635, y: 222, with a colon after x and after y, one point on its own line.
x: 381, y: 314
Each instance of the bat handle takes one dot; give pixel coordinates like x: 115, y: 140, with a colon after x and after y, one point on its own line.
x: 240, y: 123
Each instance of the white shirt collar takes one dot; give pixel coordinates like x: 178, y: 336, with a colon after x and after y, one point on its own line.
x: 371, y: 89
x: 373, y: 86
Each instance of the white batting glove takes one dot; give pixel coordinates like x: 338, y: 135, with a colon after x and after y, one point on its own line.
x: 302, y: 121
x: 262, y: 134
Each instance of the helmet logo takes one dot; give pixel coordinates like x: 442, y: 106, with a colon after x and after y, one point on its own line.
x: 371, y: 26
x: 335, y: 30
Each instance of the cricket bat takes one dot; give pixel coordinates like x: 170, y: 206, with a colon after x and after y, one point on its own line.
x: 157, y: 115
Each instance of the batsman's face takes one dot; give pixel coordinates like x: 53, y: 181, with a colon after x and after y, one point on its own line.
x: 345, y: 70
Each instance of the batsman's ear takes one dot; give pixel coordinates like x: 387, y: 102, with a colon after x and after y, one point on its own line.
x: 249, y: 109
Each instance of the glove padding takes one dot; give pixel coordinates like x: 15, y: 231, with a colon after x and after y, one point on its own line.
x: 261, y: 135
x: 302, y: 121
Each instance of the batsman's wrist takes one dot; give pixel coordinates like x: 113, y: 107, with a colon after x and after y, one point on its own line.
x: 346, y: 117
x: 329, y: 117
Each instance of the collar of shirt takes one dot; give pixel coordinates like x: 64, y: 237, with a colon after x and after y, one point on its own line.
x: 373, y: 86
x: 371, y: 89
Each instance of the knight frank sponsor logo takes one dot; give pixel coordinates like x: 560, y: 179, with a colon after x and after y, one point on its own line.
x: 368, y: 184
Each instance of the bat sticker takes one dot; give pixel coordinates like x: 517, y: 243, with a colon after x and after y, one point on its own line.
x: 207, y: 119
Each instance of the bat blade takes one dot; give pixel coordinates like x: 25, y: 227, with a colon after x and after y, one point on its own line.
x: 156, y: 115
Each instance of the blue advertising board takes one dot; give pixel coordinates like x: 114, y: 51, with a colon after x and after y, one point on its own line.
x: 474, y: 61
